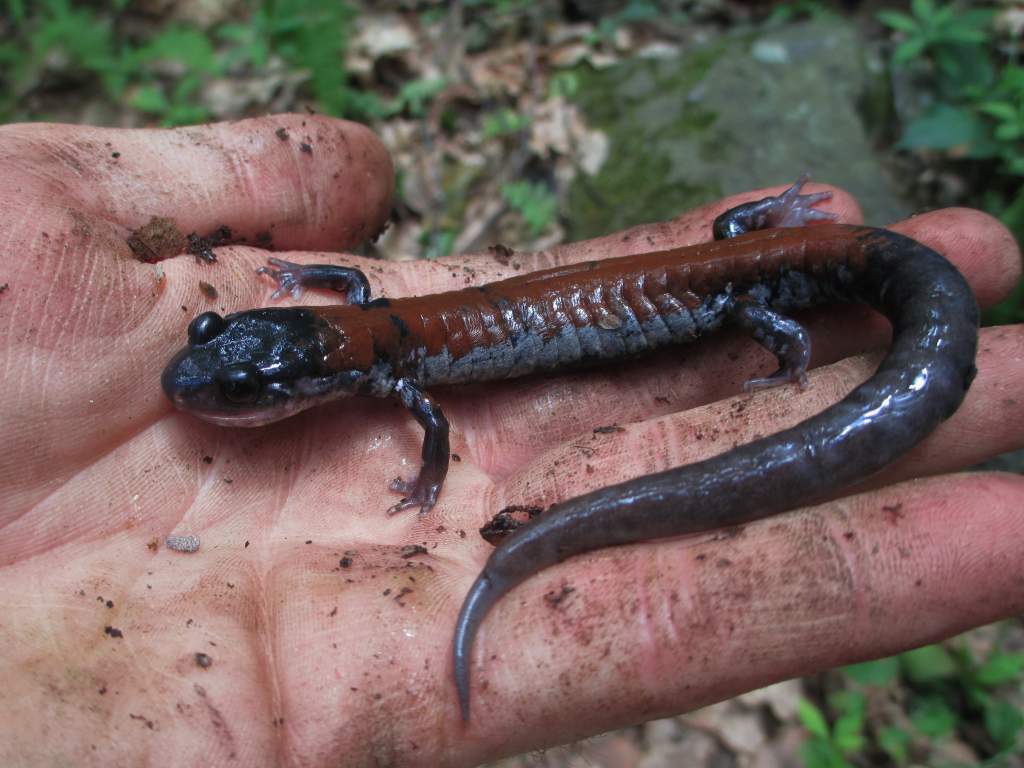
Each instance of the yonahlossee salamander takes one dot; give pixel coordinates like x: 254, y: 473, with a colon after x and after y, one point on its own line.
x: 253, y: 367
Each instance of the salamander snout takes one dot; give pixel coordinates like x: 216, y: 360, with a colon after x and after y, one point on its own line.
x: 234, y: 394
x: 251, y: 368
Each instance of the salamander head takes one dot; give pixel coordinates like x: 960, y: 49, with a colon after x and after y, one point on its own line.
x: 254, y: 367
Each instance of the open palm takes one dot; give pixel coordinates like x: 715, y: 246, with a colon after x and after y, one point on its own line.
x: 311, y: 628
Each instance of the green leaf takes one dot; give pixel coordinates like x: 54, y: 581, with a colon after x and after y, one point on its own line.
x: 1015, y: 166
x: 847, y: 702
x: 895, y: 742
x: 879, y: 672
x: 188, y: 46
x: 183, y: 92
x: 977, y: 17
x: 565, y: 84
x: 234, y: 32
x: 958, y: 34
x: 962, y: 68
x: 848, y: 730
x: 439, y: 243
x: 638, y: 10
x: 928, y: 664
x: 186, y: 114
x: 933, y: 717
x: 819, y: 753
x: 150, y: 98
x: 899, y: 21
x: 909, y: 50
x: 1012, y: 81
x: 812, y: 719
x: 1013, y: 218
x: 941, y: 18
x: 1003, y: 722
x: 17, y: 9
x: 504, y: 122
x: 942, y: 127
x: 311, y: 36
x: 1009, y: 133
x: 534, y: 202
x: 9, y: 53
x: 1000, y: 668
x: 363, y: 104
x: 923, y: 9
x: 848, y: 733
x: 415, y: 94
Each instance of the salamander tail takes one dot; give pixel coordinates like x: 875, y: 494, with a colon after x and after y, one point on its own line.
x: 482, y: 595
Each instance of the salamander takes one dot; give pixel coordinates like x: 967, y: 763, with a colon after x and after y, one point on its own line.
x: 257, y: 366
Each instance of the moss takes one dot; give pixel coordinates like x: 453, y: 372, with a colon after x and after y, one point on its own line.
x: 643, y: 108
x: 748, y: 110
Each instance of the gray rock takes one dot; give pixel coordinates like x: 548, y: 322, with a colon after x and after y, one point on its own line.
x: 747, y: 110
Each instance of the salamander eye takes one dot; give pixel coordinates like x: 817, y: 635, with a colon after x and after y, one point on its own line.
x: 205, y: 327
x: 240, y: 383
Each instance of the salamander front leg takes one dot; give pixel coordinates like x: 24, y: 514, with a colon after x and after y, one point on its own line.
x: 422, y: 491
x: 292, y: 278
x: 782, y: 336
x: 790, y: 209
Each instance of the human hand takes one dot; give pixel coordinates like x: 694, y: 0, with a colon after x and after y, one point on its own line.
x: 323, y: 639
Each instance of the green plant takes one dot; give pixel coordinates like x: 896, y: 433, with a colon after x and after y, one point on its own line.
x: 533, y: 201
x: 829, y: 747
x: 976, y: 110
x: 635, y: 11
x: 77, y: 38
x: 504, y: 122
x: 308, y: 35
x: 414, y: 95
x: 437, y: 243
x: 1005, y: 105
x: 949, y: 683
x: 939, y: 31
x: 498, y: 6
x: 163, y: 74
x: 565, y: 84
x: 177, y: 49
x: 784, y: 13
x: 946, y: 692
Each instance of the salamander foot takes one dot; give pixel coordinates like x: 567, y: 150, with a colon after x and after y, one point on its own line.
x: 423, y: 489
x: 780, y: 377
x: 790, y: 209
x: 783, y: 336
x: 293, y: 278
x: 287, y: 275
x: 421, y: 494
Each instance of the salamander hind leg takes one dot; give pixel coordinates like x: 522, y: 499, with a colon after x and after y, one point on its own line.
x: 293, y: 278
x: 784, y: 337
x: 422, y: 490
x: 790, y: 209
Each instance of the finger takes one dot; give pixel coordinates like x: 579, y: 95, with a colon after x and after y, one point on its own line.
x: 71, y: 278
x: 500, y: 262
x: 515, y: 422
x: 689, y: 228
x: 980, y: 246
x: 291, y: 181
x: 83, y: 345
x: 987, y: 424
x: 634, y: 633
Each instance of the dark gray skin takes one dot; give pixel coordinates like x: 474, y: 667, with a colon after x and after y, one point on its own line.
x: 920, y: 383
